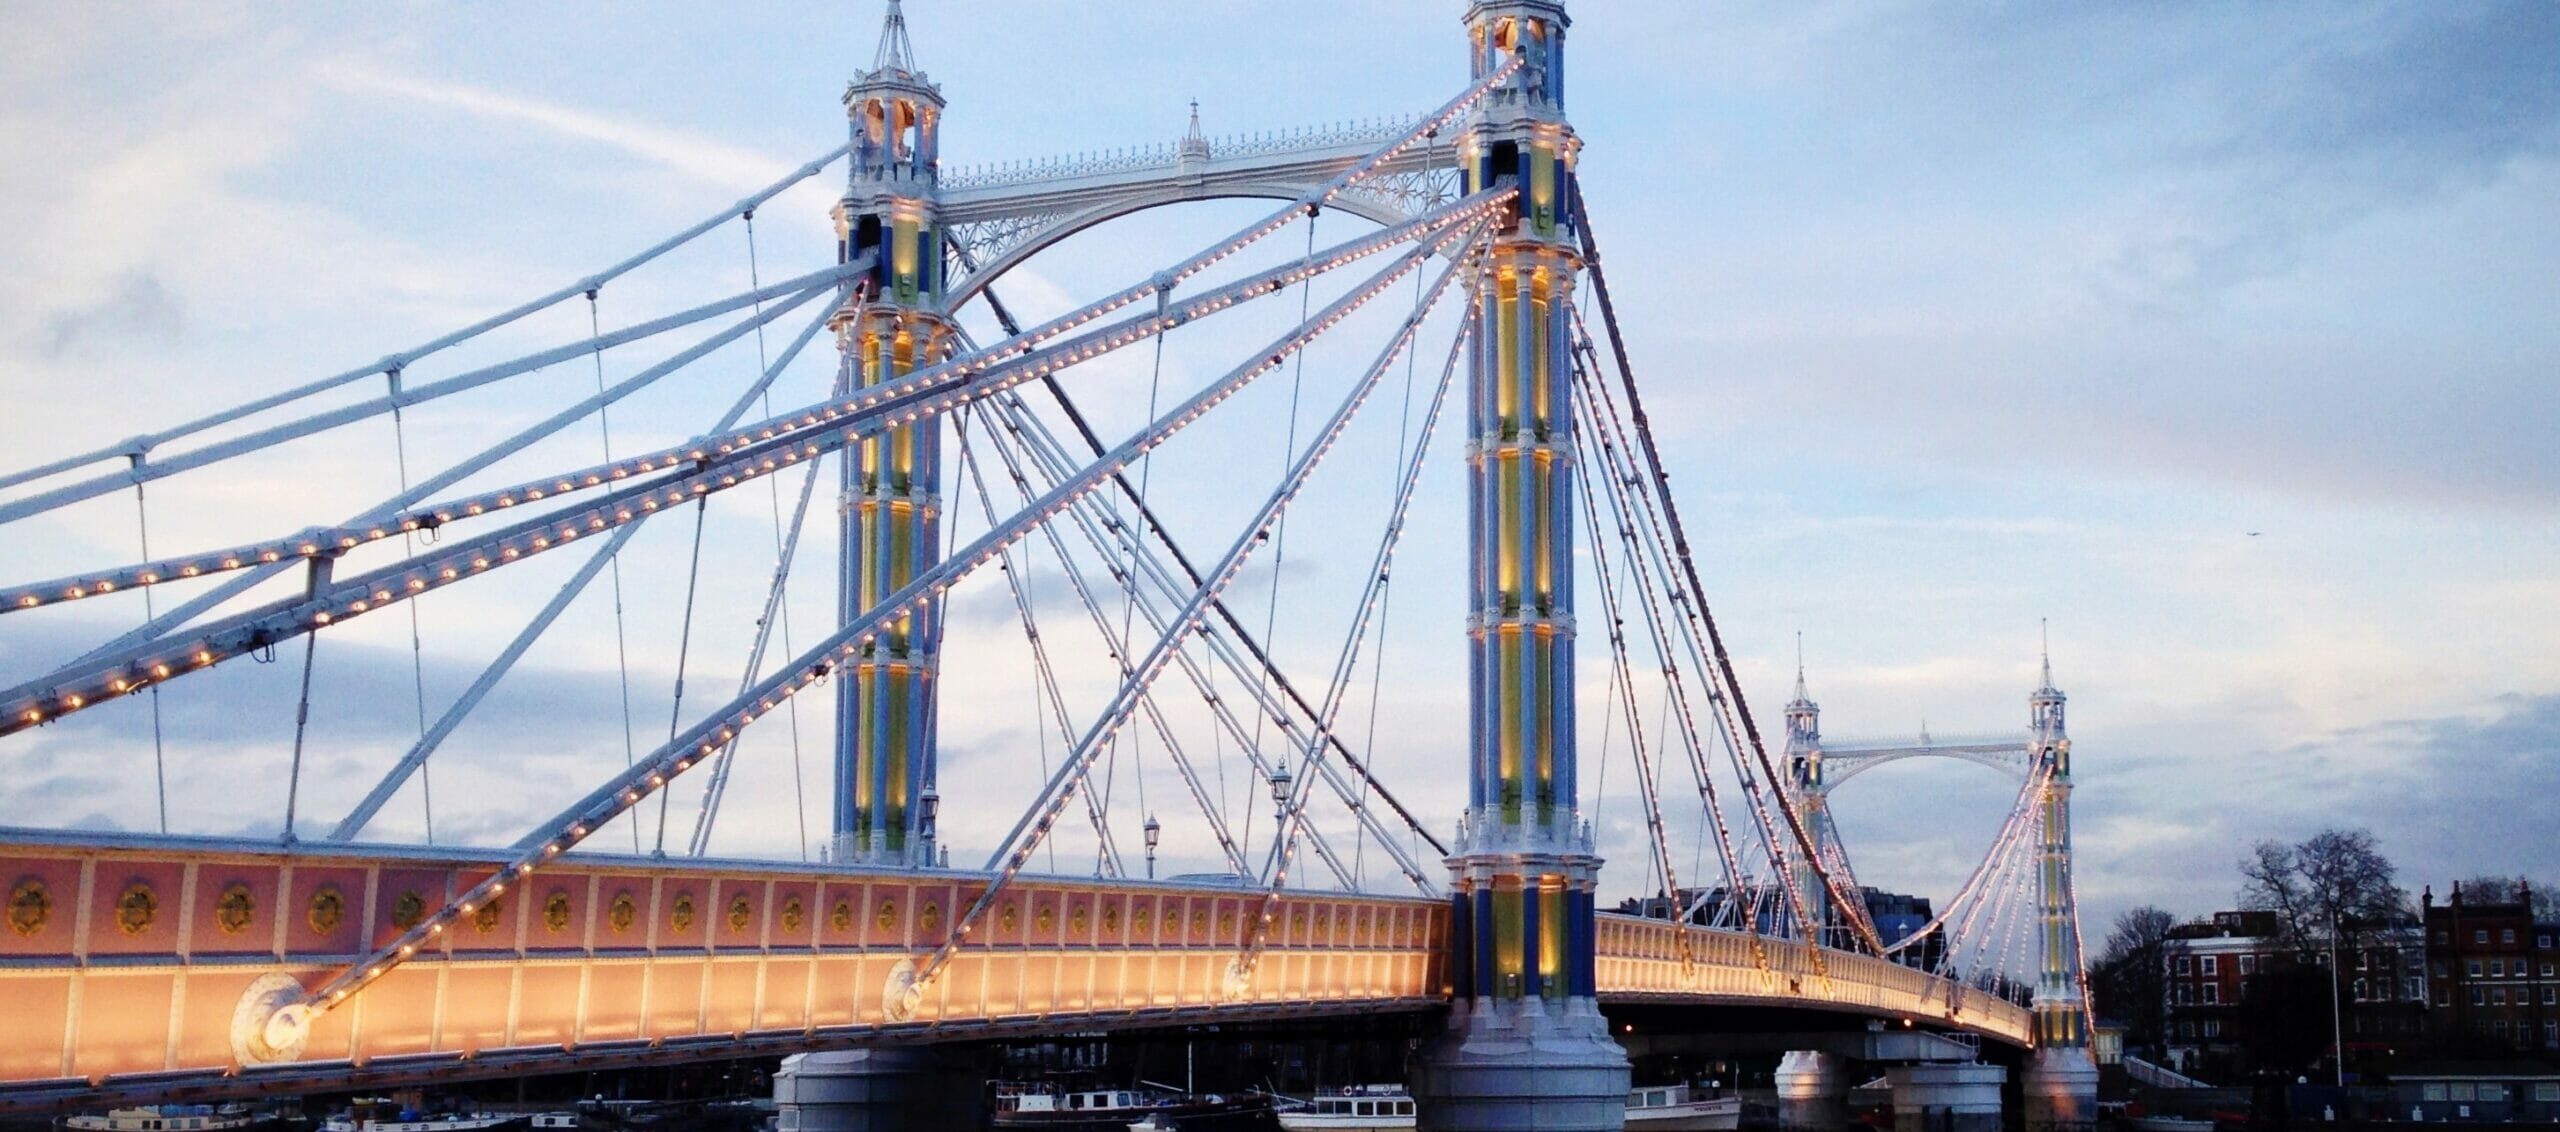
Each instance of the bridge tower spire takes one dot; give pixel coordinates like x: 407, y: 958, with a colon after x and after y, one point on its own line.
x: 1807, y: 790
x: 2061, y: 1078
x: 890, y: 506
x: 1526, y: 1045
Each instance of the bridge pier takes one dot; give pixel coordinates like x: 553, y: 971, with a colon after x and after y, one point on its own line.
x: 1813, y: 1090
x: 876, y: 1090
x: 2060, y: 1086
x: 1946, y: 1098
x: 1529, y: 1064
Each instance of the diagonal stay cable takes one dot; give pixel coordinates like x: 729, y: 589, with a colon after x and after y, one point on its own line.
x: 1040, y: 450
x: 1027, y: 832
x: 1046, y: 450
x: 1191, y: 573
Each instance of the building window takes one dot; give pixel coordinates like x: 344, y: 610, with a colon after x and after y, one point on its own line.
x: 2248, y: 964
x: 2498, y: 997
x: 2551, y: 996
x: 2187, y: 994
x: 2546, y: 970
x: 2506, y: 935
x: 2497, y: 968
x: 2474, y: 967
x: 2213, y: 1027
x: 2479, y: 997
x: 2543, y: 941
x: 2550, y: 1038
x: 2360, y: 991
x: 2479, y: 935
x: 2212, y: 993
x: 2432, y: 1091
x: 2185, y: 965
x: 2547, y: 1091
x: 2417, y: 990
x: 2207, y: 965
x: 2444, y: 997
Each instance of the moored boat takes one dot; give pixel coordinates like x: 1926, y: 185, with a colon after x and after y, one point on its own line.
x: 1053, y: 1109
x: 173, y: 1118
x: 1356, y: 1108
x: 1681, y: 1108
x: 379, y: 1115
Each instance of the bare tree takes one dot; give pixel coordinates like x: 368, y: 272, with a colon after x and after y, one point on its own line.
x: 2334, y: 877
x: 2129, y: 977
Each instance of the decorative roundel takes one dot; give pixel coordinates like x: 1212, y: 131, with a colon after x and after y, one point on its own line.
x: 136, y: 908
x: 739, y: 913
x: 841, y: 915
x: 1141, y: 918
x: 1199, y: 919
x: 1076, y: 920
x: 681, y: 916
x: 555, y: 911
x: 1324, y: 921
x: 328, y: 910
x: 624, y: 912
x: 884, y: 915
x: 30, y: 907
x: 408, y: 910
x: 485, y: 917
x: 792, y: 914
x: 1226, y: 919
x: 1046, y: 918
x: 1111, y: 918
x: 235, y: 910
x: 1011, y: 916
x: 931, y: 921
x: 1298, y: 920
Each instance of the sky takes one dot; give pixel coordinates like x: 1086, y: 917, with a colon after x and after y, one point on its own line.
x: 2220, y: 339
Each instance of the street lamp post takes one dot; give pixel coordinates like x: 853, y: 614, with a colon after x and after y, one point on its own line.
x: 1155, y: 833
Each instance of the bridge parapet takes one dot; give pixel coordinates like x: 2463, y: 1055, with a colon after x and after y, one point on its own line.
x: 124, y: 966
x: 1650, y: 959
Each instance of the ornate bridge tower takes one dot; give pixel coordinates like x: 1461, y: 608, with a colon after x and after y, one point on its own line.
x: 1526, y: 1046
x: 890, y: 508
x: 2061, y: 1079
x: 1808, y: 792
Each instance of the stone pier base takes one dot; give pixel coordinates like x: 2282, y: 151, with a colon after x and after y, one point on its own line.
x: 876, y: 1090
x: 1813, y: 1091
x: 1946, y: 1098
x: 2060, y: 1086
x: 1526, y: 1064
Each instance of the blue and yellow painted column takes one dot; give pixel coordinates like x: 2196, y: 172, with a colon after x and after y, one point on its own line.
x: 1527, y: 1047
x: 2060, y: 1081
x: 890, y: 506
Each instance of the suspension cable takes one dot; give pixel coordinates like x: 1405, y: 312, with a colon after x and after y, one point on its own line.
x: 1280, y: 539
x: 799, y: 794
x: 621, y: 635
x: 301, y: 723
x: 159, y: 756
x: 417, y: 646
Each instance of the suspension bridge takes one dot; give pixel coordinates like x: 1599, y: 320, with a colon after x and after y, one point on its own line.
x: 969, y: 468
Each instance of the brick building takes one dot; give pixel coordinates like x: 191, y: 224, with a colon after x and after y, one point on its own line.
x: 2493, y: 974
x: 2382, y: 989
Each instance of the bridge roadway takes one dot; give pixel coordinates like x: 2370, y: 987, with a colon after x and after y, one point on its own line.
x: 125, y: 958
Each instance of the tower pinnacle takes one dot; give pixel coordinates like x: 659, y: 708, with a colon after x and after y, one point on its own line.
x: 895, y: 53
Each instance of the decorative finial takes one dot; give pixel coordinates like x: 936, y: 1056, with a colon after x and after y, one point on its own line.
x: 2044, y: 630
x: 895, y: 53
x: 1800, y: 692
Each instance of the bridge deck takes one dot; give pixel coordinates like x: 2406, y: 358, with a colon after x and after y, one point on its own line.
x: 125, y: 961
